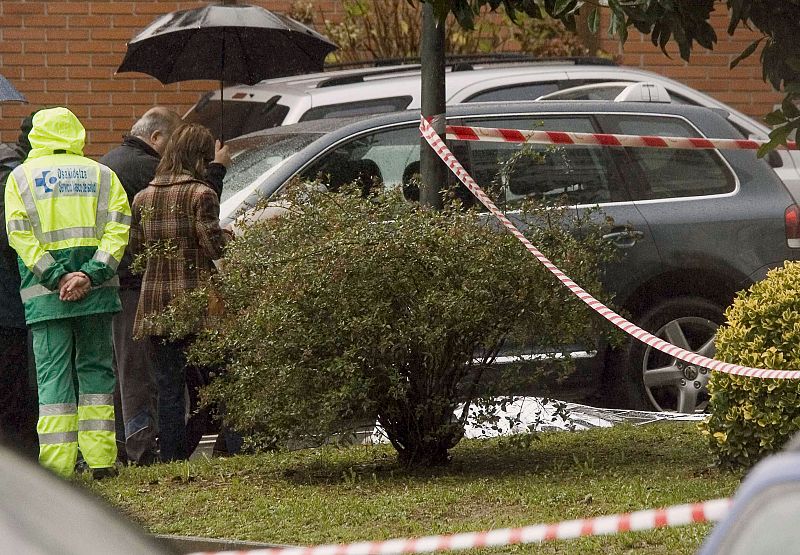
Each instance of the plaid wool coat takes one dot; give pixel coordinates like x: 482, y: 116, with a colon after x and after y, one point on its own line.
x: 176, y: 225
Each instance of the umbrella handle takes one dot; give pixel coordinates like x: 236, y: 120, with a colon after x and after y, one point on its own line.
x: 222, y: 98
x: 221, y: 115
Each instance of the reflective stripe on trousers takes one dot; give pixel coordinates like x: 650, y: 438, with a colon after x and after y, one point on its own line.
x: 64, y: 426
x: 58, y: 437
x: 96, y: 431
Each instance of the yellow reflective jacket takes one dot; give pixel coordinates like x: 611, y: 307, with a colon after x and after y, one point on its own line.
x: 65, y: 213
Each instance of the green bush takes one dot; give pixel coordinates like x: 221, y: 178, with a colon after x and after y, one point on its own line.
x: 753, y: 417
x: 350, y: 310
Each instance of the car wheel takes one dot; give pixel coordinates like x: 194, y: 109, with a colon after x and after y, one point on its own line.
x: 651, y: 380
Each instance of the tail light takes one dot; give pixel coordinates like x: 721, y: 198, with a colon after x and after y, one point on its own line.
x: 791, y: 218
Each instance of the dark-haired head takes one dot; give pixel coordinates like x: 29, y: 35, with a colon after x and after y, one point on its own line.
x: 189, y: 151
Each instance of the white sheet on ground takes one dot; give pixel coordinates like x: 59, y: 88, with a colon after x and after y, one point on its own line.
x: 528, y: 414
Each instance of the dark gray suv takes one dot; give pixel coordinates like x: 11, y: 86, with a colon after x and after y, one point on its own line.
x: 692, y: 226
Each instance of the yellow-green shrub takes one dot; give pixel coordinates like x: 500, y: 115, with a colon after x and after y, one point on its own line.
x: 753, y: 417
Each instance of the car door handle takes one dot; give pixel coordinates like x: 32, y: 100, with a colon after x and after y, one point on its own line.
x: 624, y: 239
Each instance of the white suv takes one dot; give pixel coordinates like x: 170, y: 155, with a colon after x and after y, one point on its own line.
x: 374, y: 90
x: 379, y: 89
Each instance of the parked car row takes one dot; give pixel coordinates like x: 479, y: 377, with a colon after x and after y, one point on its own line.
x: 386, y: 88
x: 692, y: 226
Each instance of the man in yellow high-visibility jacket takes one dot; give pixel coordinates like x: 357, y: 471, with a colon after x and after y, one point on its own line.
x: 68, y: 219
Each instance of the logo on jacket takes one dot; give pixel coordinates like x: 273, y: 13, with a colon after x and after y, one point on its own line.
x: 69, y: 180
x: 45, y: 181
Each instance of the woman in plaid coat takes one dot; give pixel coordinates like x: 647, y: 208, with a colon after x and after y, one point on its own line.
x: 176, y: 224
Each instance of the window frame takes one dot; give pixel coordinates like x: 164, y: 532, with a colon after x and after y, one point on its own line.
x: 315, y: 164
x: 636, y: 176
x: 618, y: 188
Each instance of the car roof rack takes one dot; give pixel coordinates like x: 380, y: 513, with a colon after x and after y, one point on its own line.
x: 464, y: 62
x: 359, y: 77
x: 457, y: 62
x: 496, y: 57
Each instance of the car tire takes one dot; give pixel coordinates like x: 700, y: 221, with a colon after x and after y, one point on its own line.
x: 644, y: 378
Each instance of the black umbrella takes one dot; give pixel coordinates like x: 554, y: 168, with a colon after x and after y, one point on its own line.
x: 8, y: 93
x: 228, y: 42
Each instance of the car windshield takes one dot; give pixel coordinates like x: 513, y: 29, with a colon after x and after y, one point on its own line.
x: 256, y: 155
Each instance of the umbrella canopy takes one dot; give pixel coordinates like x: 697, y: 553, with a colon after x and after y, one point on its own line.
x: 8, y: 93
x: 225, y: 42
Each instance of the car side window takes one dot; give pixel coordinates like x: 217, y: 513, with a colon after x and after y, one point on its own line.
x: 582, y: 175
x: 380, y: 157
x: 360, y: 108
x: 528, y: 91
x: 671, y: 173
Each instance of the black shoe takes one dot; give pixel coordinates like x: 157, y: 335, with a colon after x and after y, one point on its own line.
x: 146, y: 459
x: 81, y: 466
x: 107, y: 472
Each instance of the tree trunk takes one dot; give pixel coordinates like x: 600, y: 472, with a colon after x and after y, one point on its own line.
x: 433, y: 172
x: 422, y: 427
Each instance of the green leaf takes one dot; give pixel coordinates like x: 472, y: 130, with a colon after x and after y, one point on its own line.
x: 793, y: 62
x: 622, y: 29
x: 594, y: 20
x: 643, y: 27
x: 612, y: 27
x: 684, y: 43
x: 462, y: 12
x: 789, y: 109
x: 775, y: 118
x: 746, y: 52
x: 705, y: 35
x: 771, y: 62
x: 735, y: 7
x: 777, y: 137
x: 561, y: 6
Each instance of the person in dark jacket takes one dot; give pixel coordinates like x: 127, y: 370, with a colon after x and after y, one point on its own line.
x: 18, y: 398
x: 135, y: 162
x: 179, y: 207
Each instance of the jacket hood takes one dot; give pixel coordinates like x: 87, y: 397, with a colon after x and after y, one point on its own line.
x: 56, y: 129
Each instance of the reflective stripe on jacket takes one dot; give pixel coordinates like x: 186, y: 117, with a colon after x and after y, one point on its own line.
x: 65, y: 213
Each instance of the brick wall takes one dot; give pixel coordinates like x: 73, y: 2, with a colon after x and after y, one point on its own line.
x: 65, y: 53
x: 741, y: 87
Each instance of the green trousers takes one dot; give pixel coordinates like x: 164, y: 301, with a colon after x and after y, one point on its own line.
x: 69, y: 352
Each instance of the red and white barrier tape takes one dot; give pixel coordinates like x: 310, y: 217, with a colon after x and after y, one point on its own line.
x: 497, y: 135
x: 678, y: 515
x: 632, y: 329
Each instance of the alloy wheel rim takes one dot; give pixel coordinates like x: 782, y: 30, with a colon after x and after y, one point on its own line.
x: 672, y: 385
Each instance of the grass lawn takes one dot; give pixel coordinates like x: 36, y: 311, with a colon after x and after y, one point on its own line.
x: 352, y: 494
